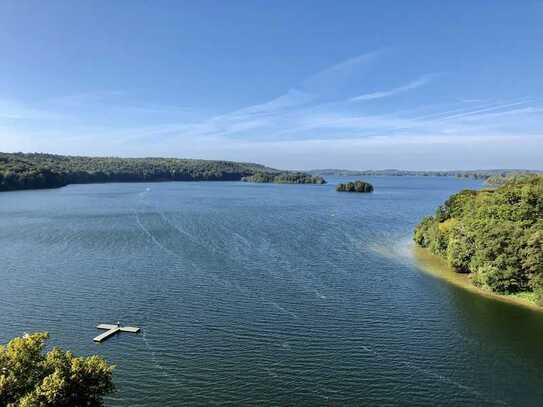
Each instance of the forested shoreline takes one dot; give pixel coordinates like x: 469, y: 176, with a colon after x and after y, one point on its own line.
x: 495, y: 235
x: 35, y: 171
x: 471, y: 174
x: 288, y: 177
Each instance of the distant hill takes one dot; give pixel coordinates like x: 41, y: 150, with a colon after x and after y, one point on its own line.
x: 476, y: 174
x: 33, y: 171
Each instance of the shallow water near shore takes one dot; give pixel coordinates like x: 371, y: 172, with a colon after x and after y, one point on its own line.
x: 261, y: 294
x: 439, y: 268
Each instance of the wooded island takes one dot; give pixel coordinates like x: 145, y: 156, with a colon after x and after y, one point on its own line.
x: 357, y: 186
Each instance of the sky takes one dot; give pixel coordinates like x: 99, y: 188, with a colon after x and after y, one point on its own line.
x: 291, y: 84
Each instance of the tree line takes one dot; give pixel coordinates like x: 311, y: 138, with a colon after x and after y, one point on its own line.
x: 473, y: 174
x: 289, y: 177
x: 32, y: 171
x: 495, y: 235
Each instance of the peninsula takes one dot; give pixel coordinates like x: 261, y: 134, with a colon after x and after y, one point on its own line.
x: 494, y: 235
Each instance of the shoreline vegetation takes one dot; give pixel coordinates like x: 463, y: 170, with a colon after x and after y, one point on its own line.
x: 356, y: 186
x: 288, y: 177
x: 437, y: 267
x: 496, y: 174
x: 19, y: 171
x: 494, y: 237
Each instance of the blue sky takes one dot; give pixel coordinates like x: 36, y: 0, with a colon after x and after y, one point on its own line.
x: 292, y: 84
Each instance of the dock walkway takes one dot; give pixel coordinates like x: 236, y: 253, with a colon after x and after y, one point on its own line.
x: 112, y: 330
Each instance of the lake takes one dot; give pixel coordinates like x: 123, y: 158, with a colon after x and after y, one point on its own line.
x: 260, y: 294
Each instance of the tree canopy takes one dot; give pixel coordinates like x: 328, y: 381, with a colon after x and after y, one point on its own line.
x: 357, y: 186
x: 29, y: 377
x: 496, y: 235
x: 31, y: 171
x: 288, y: 177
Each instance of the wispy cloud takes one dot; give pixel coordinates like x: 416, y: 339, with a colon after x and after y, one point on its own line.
x: 84, y: 98
x: 423, y: 80
x: 475, y: 112
x: 335, y: 78
x: 13, y: 110
x: 333, y: 109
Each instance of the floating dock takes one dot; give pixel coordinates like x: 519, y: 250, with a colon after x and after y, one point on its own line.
x: 112, y: 329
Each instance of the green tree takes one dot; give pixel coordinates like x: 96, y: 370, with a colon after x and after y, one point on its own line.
x: 456, y: 205
x: 532, y: 253
x: 537, y: 286
x: 357, y: 186
x: 460, y: 248
x: 422, y: 235
x: 496, y: 235
x: 29, y: 377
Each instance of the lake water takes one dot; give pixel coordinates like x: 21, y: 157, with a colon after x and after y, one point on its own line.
x: 256, y: 294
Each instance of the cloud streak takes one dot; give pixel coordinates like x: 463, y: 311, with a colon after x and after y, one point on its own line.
x: 423, y: 80
x: 333, y: 109
x: 12, y: 110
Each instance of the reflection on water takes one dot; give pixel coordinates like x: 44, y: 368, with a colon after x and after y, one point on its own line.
x: 496, y: 321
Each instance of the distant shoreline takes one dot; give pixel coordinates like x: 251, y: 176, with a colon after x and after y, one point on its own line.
x: 468, y: 174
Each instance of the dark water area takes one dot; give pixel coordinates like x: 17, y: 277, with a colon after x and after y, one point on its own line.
x: 258, y: 294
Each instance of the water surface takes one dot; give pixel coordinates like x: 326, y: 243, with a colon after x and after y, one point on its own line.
x: 261, y: 294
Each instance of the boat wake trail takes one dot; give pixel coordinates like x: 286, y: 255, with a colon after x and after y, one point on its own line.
x: 215, y: 277
x: 151, y: 236
x: 153, y: 355
x: 280, y: 308
x: 183, y: 232
x: 156, y: 363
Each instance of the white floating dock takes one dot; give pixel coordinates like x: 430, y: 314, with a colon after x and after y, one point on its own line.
x: 112, y: 330
x: 132, y: 329
x: 107, y: 334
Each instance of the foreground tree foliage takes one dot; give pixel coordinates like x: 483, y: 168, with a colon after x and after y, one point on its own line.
x: 495, y: 235
x: 31, y: 378
x: 32, y: 171
x: 289, y: 177
x: 357, y: 186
